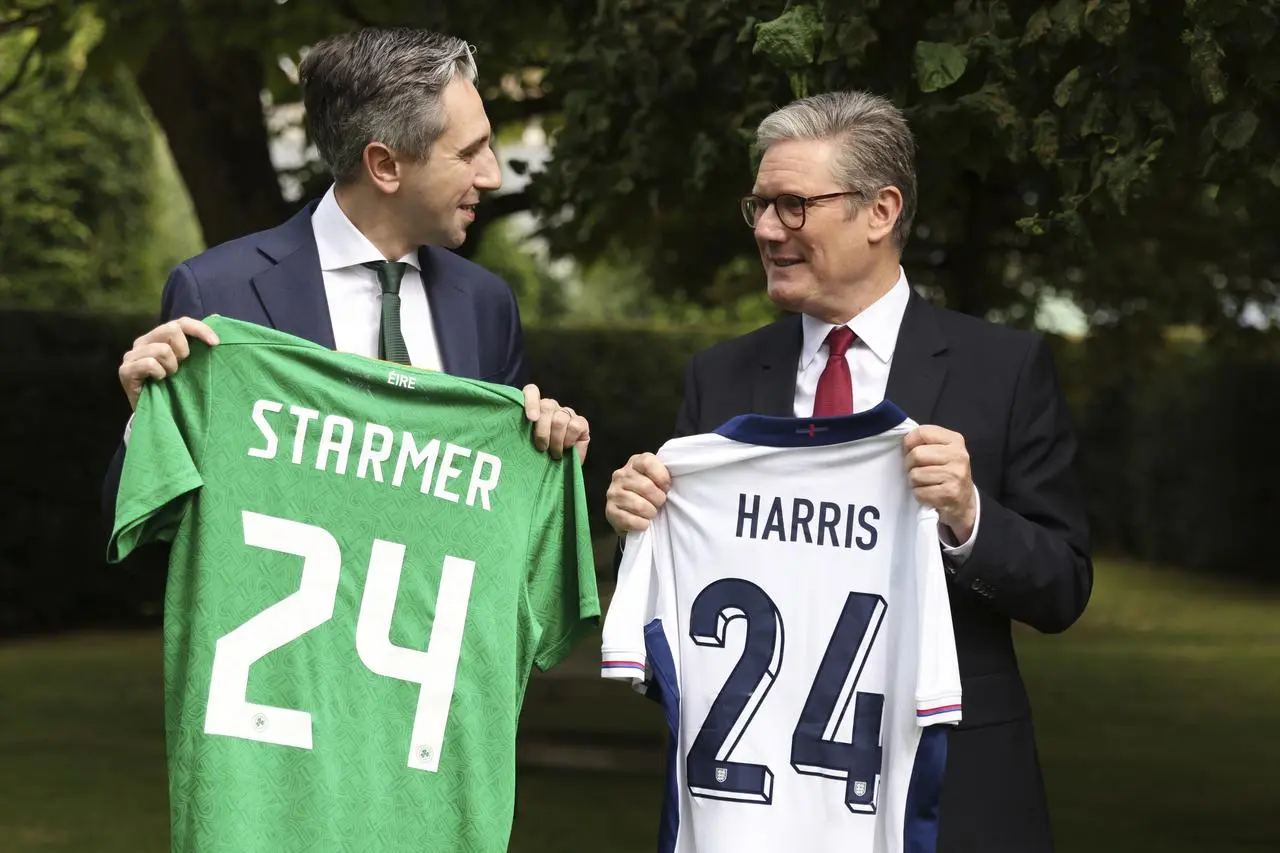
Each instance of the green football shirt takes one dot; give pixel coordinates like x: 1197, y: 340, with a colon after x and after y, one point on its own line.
x: 367, y: 560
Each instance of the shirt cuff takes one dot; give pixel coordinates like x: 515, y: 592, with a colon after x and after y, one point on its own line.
x: 128, y: 428
x: 960, y: 553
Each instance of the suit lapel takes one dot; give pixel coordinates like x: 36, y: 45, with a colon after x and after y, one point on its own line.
x: 453, y: 318
x: 919, y: 363
x: 774, y: 390
x: 292, y: 291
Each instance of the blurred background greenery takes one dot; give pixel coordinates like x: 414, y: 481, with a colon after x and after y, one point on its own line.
x: 1105, y: 172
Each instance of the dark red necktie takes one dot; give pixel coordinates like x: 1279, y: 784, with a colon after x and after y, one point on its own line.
x: 835, y: 386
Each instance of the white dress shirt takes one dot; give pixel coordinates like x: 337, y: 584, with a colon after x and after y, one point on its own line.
x: 870, y: 356
x: 355, y: 297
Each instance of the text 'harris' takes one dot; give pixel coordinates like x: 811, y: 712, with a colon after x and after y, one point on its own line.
x: 803, y: 520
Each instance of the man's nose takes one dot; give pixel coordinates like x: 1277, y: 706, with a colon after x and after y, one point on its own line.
x: 769, y: 227
x: 489, y: 175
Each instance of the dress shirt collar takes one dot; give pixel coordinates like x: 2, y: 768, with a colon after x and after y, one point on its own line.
x: 340, y: 243
x: 876, y: 326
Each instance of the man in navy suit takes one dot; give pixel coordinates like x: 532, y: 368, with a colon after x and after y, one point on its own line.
x: 396, y: 116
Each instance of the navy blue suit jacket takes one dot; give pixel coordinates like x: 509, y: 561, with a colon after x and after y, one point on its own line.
x: 273, y: 278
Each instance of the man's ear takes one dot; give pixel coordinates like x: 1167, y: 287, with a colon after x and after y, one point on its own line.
x: 883, y: 213
x: 382, y: 167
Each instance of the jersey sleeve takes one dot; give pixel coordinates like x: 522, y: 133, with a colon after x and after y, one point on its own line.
x: 938, y: 697
x: 160, y: 471
x: 623, y: 650
x: 561, y: 589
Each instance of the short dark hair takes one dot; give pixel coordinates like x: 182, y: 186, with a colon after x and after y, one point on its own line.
x: 379, y: 85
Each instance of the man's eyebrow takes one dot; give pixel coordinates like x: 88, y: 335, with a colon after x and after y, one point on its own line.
x: 477, y: 144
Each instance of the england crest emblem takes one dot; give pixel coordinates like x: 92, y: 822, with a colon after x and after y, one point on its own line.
x: 722, y: 773
x: 859, y: 789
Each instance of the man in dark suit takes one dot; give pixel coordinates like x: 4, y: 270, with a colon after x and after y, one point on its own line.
x: 396, y: 116
x: 832, y: 206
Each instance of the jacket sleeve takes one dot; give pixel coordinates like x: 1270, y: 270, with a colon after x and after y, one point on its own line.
x: 1030, y: 556
x: 687, y: 417
x: 516, y: 371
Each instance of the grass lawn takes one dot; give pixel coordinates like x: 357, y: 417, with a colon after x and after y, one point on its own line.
x: 1156, y: 718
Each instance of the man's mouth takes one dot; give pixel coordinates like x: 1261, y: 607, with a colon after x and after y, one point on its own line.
x: 785, y: 261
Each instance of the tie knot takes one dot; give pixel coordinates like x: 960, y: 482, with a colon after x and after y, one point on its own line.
x: 389, y: 274
x: 839, y: 340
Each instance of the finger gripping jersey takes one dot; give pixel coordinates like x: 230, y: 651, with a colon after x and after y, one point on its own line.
x: 789, y: 609
x: 367, y: 561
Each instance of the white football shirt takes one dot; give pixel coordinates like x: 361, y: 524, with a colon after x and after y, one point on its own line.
x: 788, y: 608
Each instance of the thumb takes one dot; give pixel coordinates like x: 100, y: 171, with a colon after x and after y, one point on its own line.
x: 532, y: 401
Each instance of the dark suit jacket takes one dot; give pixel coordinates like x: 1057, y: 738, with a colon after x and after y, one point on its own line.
x: 1030, y: 562
x: 273, y: 278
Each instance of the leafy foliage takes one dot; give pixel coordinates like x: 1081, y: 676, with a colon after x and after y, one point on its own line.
x: 651, y: 149
x: 77, y: 167
x: 938, y: 65
x: 205, y: 68
x: 1122, y: 153
x: 790, y: 42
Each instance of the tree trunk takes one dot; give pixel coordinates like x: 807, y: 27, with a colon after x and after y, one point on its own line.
x: 210, y: 109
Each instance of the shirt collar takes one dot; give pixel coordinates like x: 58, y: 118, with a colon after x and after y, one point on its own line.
x: 339, y: 243
x: 876, y: 326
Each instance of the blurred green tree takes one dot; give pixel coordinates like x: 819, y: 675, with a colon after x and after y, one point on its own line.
x: 207, y: 68
x: 79, y: 169
x: 1121, y: 153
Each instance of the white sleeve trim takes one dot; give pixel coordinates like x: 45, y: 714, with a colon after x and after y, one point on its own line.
x: 938, y: 690
x: 622, y: 664
x: 939, y: 709
x: 623, y: 656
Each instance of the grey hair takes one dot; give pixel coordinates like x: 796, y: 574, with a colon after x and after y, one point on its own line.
x: 379, y: 85
x: 876, y: 145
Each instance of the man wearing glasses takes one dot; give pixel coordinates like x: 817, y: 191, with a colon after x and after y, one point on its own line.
x: 831, y: 210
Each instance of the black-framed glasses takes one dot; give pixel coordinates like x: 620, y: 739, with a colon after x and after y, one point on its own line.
x: 791, y: 208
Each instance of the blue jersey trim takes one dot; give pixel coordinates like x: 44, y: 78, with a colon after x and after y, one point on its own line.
x: 769, y: 431
x: 665, y: 689
x: 920, y: 820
